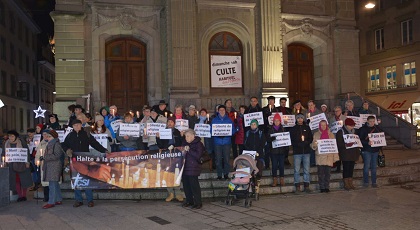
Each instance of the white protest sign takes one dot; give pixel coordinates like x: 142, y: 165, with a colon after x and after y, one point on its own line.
x: 336, y: 126
x: 132, y: 130
x: 142, y: 126
x: 377, y: 139
x: 282, y: 140
x: 253, y: 154
x: 115, y: 125
x: 61, y: 135
x: 251, y: 116
x: 102, y: 139
x: 165, y: 134
x: 363, y: 118
x: 153, y: 128
x: 288, y: 120
x: 314, y: 124
x: 16, y: 155
x: 37, y: 139
x: 221, y: 130
x: 327, y: 146
x: 356, y: 120
x: 202, y: 130
x: 225, y: 71
x: 181, y: 124
x: 67, y: 131
x: 352, y: 139
x: 271, y: 118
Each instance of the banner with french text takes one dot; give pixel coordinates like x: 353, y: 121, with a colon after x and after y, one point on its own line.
x: 128, y: 169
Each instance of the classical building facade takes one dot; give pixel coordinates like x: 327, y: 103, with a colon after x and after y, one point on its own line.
x: 202, y: 52
x: 389, y: 52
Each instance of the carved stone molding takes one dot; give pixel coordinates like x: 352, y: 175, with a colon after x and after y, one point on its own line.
x: 306, y: 26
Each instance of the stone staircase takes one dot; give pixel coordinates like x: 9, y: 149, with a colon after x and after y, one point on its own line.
x: 397, y: 171
x: 392, y: 144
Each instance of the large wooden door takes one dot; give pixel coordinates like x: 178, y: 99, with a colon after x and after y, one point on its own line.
x: 126, y: 75
x: 301, y: 68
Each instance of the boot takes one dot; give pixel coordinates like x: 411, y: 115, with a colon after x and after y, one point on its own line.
x: 274, y: 182
x: 297, y: 186
x: 306, y: 186
x: 346, y: 184
x: 281, y: 181
x: 180, y: 197
x: 170, y: 197
x: 351, y: 183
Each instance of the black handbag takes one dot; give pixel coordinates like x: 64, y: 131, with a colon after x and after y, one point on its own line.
x: 381, y: 159
x: 205, y: 157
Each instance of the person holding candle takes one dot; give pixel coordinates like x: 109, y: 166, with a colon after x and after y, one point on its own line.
x: 192, y: 169
x: 324, y: 162
x: 285, y: 111
x: 36, y: 177
x: 40, y: 150
x: 52, y: 166
x: 204, y: 118
x: 143, y: 121
x: 298, y: 108
x: 338, y: 116
x: 240, y: 135
x: 113, y: 116
x: 162, y: 108
x: 127, y: 143
x: 347, y: 156
x: 312, y: 111
x: 192, y: 117
x: 100, y: 128
x: 301, y: 137
x: 154, y: 118
x: 268, y: 111
x: 277, y: 154
x: 19, y: 172
x: 232, y: 114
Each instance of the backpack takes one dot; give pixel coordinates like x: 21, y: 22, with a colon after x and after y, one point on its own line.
x: 247, y: 134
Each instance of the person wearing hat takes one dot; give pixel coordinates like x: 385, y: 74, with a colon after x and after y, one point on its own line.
x: 348, y: 154
x: 52, y: 167
x: 298, y: 108
x: 162, y: 108
x: 268, y: 111
x: 100, y: 128
x: 277, y: 153
x: 337, y: 118
x: 53, y: 121
x: 20, y: 169
x: 255, y: 141
x: 128, y: 143
x: 192, y: 117
x: 155, y: 117
x: 78, y: 140
x: 109, y: 120
x: 39, y: 128
x: 324, y: 109
x: 176, y: 141
x: 301, y: 137
x: 41, y: 149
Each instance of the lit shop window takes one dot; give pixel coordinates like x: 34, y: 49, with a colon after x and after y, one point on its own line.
x: 391, y: 77
x: 373, y: 79
x: 410, y: 74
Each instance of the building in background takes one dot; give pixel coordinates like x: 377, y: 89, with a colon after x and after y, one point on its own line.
x: 389, y: 53
x: 20, y: 59
x: 202, y: 52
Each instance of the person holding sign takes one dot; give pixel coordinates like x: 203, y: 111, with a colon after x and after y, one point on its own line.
x: 100, y: 128
x: 285, y: 111
x: 337, y: 119
x: 109, y: 119
x: 254, y: 107
x: 36, y: 176
x: 40, y: 150
x: 204, y: 118
x: 255, y: 141
x: 301, y: 137
x: 324, y: 162
x: 154, y: 118
x: 277, y: 154
x: 369, y: 153
x: 18, y: 169
x: 268, y: 111
x: 222, y: 144
x: 128, y: 143
x: 347, y: 155
x: 192, y: 117
x: 312, y: 111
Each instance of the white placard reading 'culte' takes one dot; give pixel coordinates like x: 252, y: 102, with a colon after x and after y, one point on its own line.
x: 327, y: 146
x: 16, y: 155
x: 202, y: 130
x: 221, y: 130
x: 282, y: 140
x: 251, y: 116
x: 377, y: 139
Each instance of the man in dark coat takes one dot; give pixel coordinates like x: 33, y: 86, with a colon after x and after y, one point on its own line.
x: 162, y: 109
x: 78, y: 141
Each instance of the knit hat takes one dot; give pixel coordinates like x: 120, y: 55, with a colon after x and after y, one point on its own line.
x: 171, y: 118
x: 349, y: 122
x: 277, y: 117
x: 40, y: 125
x: 76, y: 121
x: 254, y: 121
x: 300, y: 115
x: 324, y: 105
x: 192, y: 107
x: 98, y: 118
x: 53, y: 133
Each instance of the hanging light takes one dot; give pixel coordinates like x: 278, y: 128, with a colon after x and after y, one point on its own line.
x: 370, y: 5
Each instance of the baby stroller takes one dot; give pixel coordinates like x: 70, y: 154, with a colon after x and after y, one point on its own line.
x: 243, y: 184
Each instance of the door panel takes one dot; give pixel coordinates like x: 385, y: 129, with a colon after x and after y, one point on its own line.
x: 301, y: 80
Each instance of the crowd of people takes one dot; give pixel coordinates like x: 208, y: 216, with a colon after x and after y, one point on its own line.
x: 47, y: 159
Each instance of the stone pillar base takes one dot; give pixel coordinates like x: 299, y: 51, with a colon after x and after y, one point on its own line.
x: 185, y: 97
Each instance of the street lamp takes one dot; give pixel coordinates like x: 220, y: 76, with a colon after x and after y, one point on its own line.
x: 370, y: 5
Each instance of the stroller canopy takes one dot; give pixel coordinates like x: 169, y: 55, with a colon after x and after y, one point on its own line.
x: 246, y: 160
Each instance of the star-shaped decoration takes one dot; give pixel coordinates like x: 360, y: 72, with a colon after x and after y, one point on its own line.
x: 39, y: 112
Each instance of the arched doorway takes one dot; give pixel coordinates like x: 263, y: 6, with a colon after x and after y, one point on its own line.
x: 301, y: 69
x: 126, y: 76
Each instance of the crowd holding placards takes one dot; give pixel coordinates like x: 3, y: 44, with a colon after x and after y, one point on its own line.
x: 315, y: 136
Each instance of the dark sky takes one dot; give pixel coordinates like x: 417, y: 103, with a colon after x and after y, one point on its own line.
x: 40, y: 10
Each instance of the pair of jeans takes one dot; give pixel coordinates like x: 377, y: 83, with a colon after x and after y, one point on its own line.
x: 192, y: 189
x: 55, y: 192
x: 277, y: 163
x: 299, y: 159
x: 370, y: 160
x: 222, y: 157
x: 324, y: 175
x: 126, y: 149
x: 78, y: 195
x: 154, y: 147
x: 348, y: 168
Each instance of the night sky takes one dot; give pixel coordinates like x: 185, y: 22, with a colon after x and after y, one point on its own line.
x: 40, y: 10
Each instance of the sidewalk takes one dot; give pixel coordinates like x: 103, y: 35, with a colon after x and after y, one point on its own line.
x: 390, y: 207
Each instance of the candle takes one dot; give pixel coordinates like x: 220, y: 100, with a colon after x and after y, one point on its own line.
x: 379, y: 111
x: 138, y: 114
x: 144, y: 132
x: 298, y: 110
x: 208, y: 117
x: 197, y: 113
x: 170, y: 115
x: 37, y: 163
x: 166, y: 114
x: 303, y: 138
x: 396, y: 121
x: 348, y: 96
x: 235, y: 114
x: 269, y: 106
x: 113, y: 112
x: 2, y: 159
x: 309, y: 115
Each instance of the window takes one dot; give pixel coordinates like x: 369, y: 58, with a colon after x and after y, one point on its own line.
x: 2, y: 14
x: 13, y: 86
x: 23, y: 91
x: 20, y: 59
x: 21, y: 119
x: 379, y: 39
x: 12, y: 54
x: 410, y: 74
x: 34, y: 94
x: 3, y: 88
x: 27, y: 64
x: 373, y: 79
x: 391, y: 77
x: 12, y: 23
x: 3, y: 48
x: 407, y: 32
